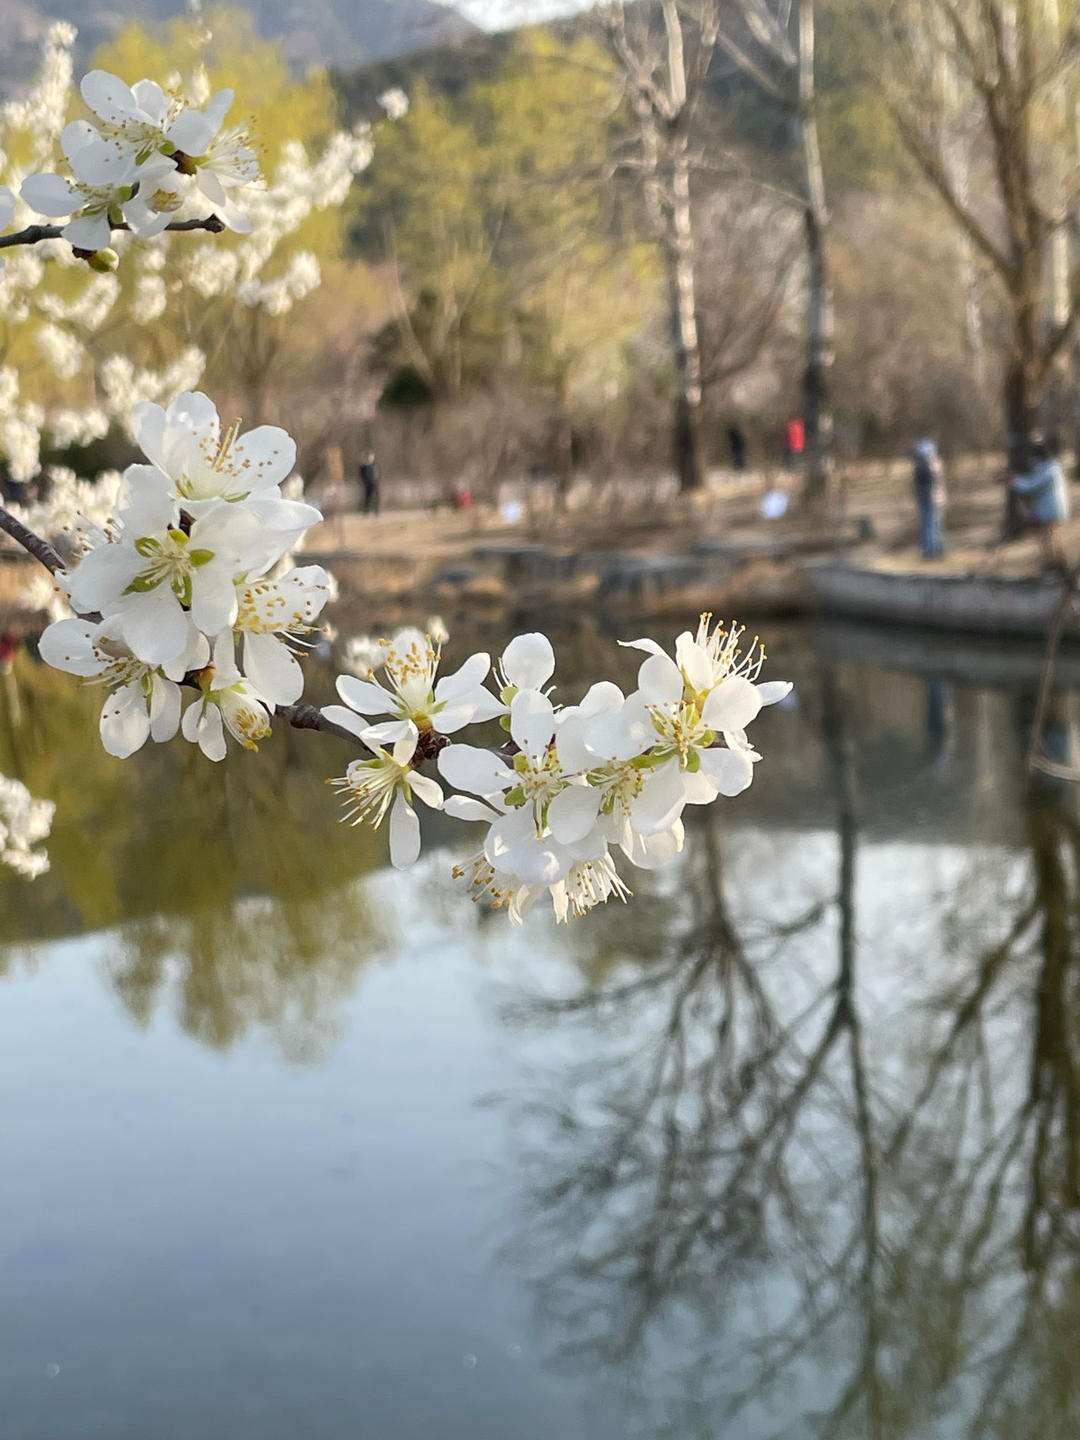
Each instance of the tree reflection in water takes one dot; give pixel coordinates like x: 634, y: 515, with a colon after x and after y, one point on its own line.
x: 811, y: 1186
x: 237, y: 903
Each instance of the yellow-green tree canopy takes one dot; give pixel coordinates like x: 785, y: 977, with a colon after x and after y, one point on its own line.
x: 501, y: 230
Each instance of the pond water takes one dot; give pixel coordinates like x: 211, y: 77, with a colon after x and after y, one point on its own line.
x: 292, y: 1145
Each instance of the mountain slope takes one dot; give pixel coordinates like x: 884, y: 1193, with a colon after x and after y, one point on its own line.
x: 343, y: 33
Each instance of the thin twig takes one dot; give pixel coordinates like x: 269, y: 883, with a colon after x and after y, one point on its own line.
x: 35, y: 234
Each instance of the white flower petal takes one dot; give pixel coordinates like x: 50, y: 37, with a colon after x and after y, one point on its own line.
x: 773, y: 691
x: 485, y: 706
x: 389, y: 732
x: 469, y: 767
x: 731, y: 771
x: 528, y: 662
x: 148, y: 507
x: 698, y: 787
x: 148, y: 423
x: 649, y: 646
x: 266, y: 456
x: 273, y: 669
x: 660, y: 801
x: 404, y: 833
x: 164, y: 709
x: 429, y: 790
x: 154, y: 626
x: 347, y: 719
x: 125, y: 724
x: 602, y: 698
x: 693, y: 661
x: 213, y: 597
x: 49, y: 195
x: 532, y: 722
x: 365, y: 696
x: 69, y: 645
x: 464, y: 807
x: 102, y: 163
x: 572, y: 814
x: 660, y: 680
x: 88, y: 232
x: 101, y: 577
x: 463, y: 681
x: 191, y: 132
x: 732, y: 705
x: 405, y: 744
x: 453, y: 718
x: 107, y: 95
x: 650, y: 852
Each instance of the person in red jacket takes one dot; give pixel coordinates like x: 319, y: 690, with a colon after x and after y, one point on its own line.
x: 794, y: 440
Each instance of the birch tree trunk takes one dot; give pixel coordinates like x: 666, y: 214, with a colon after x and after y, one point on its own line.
x: 686, y: 350
x: 679, y: 248
x: 818, y: 488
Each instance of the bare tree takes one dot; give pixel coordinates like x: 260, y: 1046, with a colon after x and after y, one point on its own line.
x: 1011, y: 67
x: 663, y: 68
x: 773, y: 42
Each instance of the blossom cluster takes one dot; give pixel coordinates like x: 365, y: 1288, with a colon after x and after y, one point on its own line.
x: 184, y: 584
x: 144, y: 155
x: 572, y: 783
x: 71, y: 311
x: 24, y: 823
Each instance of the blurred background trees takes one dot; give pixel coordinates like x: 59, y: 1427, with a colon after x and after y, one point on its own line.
x: 599, y: 243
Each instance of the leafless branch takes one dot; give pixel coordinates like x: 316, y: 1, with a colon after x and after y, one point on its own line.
x: 35, y: 234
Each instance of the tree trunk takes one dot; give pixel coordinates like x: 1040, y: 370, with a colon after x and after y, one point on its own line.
x: 686, y: 351
x: 1024, y: 371
x: 817, y: 410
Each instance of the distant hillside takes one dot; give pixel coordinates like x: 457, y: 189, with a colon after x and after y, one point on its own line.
x: 343, y: 33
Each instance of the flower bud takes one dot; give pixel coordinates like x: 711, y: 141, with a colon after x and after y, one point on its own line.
x: 103, y: 261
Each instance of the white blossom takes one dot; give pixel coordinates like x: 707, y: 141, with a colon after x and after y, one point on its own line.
x: 143, y: 700
x: 24, y: 823
x: 412, y: 695
x: 394, y: 103
x: 386, y: 783
x: 271, y: 616
x: 229, y: 703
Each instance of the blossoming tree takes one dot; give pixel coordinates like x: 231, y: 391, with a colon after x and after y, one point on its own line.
x: 186, y: 607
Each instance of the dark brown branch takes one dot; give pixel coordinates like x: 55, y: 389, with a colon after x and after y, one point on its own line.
x: 34, y: 234
x: 39, y: 548
x: 307, y: 717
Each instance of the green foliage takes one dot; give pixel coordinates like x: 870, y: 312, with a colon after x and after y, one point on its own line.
x: 509, y: 246
x: 237, y: 900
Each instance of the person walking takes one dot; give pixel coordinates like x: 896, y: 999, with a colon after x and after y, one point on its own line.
x: 929, y: 480
x: 369, y: 480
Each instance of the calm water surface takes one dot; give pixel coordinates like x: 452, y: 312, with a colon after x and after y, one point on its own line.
x: 292, y: 1146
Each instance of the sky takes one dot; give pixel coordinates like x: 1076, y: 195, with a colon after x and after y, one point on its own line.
x: 494, y: 14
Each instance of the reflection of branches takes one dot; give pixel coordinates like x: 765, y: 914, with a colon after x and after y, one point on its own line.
x: 748, y: 1165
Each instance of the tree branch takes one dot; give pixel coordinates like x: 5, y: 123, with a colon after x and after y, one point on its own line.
x: 40, y: 549
x: 34, y: 234
x: 923, y: 152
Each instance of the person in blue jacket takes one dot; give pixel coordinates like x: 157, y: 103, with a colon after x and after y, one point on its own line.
x: 1044, y: 495
x: 929, y: 479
